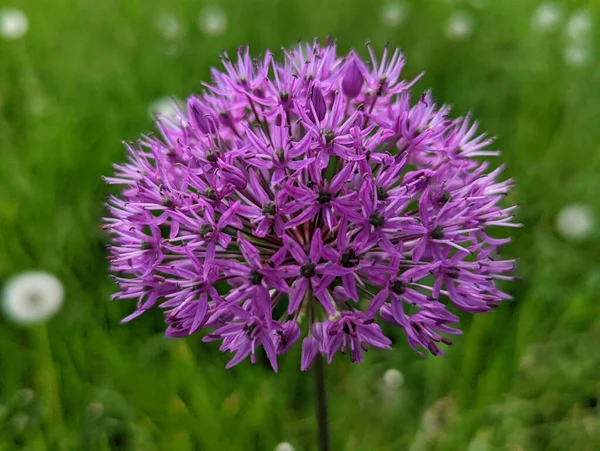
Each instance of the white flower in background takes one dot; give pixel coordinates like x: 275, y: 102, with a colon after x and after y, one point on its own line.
x: 459, y: 26
x: 19, y: 422
x: 579, y: 25
x: 164, y: 106
x: 284, y: 446
x: 546, y: 17
x: 212, y: 21
x: 169, y: 26
x: 24, y: 396
x: 480, y: 4
x: 477, y: 3
x: 575, y: 221
x: 393, y: 14
x: 32, y: 297
x: 433, y: 422
x: 392, y: 379
x: 577, y: 54
x: 95, y: 410
x: 481, y: 442
x: 533, y: 363
x: 13, y: 23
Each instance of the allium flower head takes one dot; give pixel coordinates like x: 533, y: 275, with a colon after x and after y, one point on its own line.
x: 308, y: 201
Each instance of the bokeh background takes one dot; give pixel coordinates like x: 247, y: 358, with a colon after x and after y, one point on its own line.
x: 79, y: 76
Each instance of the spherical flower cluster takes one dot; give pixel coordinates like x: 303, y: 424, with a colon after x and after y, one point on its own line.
x: 310, y: 198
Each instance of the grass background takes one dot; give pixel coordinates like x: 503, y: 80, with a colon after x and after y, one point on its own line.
x: 526, y: 377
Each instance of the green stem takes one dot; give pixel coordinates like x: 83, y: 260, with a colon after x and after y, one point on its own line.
x: 321, y: 398
x: 320, y: 382
x: 47, y: 384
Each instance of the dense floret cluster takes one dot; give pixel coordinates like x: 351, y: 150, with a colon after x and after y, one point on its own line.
x: 306, y: 201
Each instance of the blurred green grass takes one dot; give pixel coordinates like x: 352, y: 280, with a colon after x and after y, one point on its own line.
x: 526, y: 377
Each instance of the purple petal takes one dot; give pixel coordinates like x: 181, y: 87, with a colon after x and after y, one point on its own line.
x: 316, y: 246
x: 257, y: 188
x: 353, y: 79
x: 240, y: 355
x: 310, y: 347
x: 377, y: 302
x: 229, y: 213
x: 350, y: 287
x: 373, y: 335
x: 249, y: 252
x: 419, y: 249
x: 200, y: 316
x: 326, y: 300
x: 296, y: 251
x: 199, y: 117
x: 297, y: 295
x: 289, y: 336
x: 318, y: 103
x: 270, y: 350
x: 334, y: 269
x: 279, y: 256
x: 306, y: 215
x: 340, y: 178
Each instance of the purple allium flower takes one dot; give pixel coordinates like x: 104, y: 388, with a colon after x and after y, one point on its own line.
x: 303, y: 202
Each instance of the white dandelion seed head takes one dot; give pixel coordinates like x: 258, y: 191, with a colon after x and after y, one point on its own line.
x: 393, y: 379
x: 174, y: 48
x: 284, y: 446
x: 527, y: 363
x: 96, y: 409
x: 24, y: 396
x: 20, y: 421
x: 169, y: 26
x: 212, y: 21
x: 480, y: 4
x: 579, y: 25
x: 393, y: 14
x: 546, y: 17
x: 575, y: 221
x: 13, y: 23
x: 481, y: 442
x: 32, y: 297
x: 577, y: 54
x: 436, y: 416
x: 164, y: 106
x: 459, y: 26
